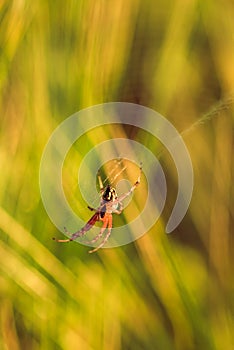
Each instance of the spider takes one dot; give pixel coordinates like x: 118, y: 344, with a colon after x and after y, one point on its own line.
x: 110, y: 204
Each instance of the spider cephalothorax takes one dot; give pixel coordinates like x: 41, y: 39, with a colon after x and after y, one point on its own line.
x: 109, y: 194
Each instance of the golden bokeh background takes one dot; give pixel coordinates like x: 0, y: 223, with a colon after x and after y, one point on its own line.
x: 170, y: 292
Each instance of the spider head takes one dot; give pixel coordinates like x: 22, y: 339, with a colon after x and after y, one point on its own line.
x: 109, y: 194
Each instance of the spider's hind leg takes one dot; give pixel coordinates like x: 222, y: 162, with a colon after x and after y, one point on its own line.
x: 104, y: 226
x: 107, y: 220
x: 103, y: 242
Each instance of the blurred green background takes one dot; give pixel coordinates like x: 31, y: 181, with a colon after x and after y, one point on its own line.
x: 162, y: 292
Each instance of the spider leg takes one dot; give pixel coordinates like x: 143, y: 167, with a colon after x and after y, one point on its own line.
x: 91, y: 208
x: 95, y: 239
x: 82, y: 231
x: 105, y: 222
x: 120, y: 209
x: 100, y: 182
x: 103, y: 242
x: 137, y: 183
x: 86, y: 228
x: 109, y: 220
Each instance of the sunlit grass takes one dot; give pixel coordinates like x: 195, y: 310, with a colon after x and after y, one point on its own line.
x: 169, y: 292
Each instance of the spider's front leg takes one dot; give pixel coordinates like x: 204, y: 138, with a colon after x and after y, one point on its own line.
x: 100, y: 182
x: 125, y: 195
